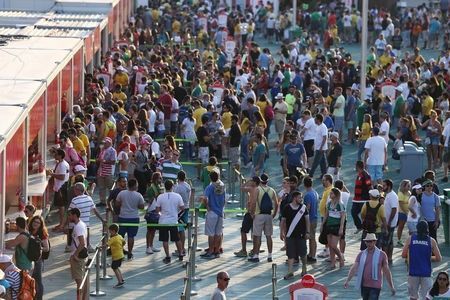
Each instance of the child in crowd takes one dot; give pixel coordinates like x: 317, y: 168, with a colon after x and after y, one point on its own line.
x: 116, y: 242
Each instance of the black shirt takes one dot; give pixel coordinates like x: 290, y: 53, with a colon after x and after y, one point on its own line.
x: 201, y: 133
x: 235, y: 135
x: 289, y: 214
x: 335, y: 153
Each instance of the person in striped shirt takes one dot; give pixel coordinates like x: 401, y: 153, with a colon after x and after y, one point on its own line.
x: 105, y: 177
x: 86, y: 205
x: 170, y: 166
x: 12, y: 274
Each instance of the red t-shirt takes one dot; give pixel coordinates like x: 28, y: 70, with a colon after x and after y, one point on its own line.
x: 166, y: 102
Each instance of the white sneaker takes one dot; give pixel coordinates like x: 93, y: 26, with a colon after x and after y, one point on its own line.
x: 156, y: 249
x: 325, y: 253
x: 149, y: 250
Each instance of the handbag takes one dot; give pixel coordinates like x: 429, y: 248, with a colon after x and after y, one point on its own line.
x: 83, y: 253
x: 323, y: 235
x: 152, y: 217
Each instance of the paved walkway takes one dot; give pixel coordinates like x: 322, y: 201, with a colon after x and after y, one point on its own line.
x: 147, y: 277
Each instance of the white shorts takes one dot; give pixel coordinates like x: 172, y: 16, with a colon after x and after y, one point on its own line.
x: 415, y: 284
x: 203, y: 154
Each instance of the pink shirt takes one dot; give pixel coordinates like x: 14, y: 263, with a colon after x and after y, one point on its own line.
x: 367, y: 280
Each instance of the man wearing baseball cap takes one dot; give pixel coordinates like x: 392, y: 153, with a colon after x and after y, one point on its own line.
x: 105, y: 174
x: 369, y: 282
x: 265, y: 210
x: 373, y: 216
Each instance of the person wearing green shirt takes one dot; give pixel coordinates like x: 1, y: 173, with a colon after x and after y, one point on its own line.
x: 197, y: 91
x: 290, y: 101
x: 287, y: 79
x: 400, y: 105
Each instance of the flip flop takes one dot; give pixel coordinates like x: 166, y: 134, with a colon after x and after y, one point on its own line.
x: 288, y: 276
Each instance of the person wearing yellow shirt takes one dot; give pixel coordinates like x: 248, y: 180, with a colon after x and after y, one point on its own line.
x: 403, y: 200
x: 76, y: 142
x: 121, y: 77
x: 85, y: 140
x: 327, y: 183
x: 118, y: 94
x: 380, y: 220
x: 116, y: 243
x: 364, y: 133
x: 226, y: 121
x: 385, y: 58
x: 427, y: 105
x: 199, y: 111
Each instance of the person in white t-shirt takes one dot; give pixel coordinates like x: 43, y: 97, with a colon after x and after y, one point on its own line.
x: 60, y: 177
x: 320, y: 146
x: 339, y: 111
x: 79, y: 236
x: 308, y: 133
x: 345, y: 195
x: 446, y: 157
x: 174, y: 117
x: 375, y: 155
x: 384, y: 126
x: 222, y: 283
x: 151, y: 119
x: 391, y: 214
x: 169, y: 205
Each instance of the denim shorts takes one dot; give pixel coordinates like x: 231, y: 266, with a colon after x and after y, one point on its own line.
x: 375, y: 171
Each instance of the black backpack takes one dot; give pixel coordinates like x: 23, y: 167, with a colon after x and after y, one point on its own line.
x: 416, y: 108
x: 34, y: 250
x: 265, y: 206
x: 369, y: 223
x: 46, y: 254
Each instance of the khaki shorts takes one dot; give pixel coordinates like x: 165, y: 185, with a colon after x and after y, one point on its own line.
x: 263, y: 223
x: 312, y: 229
x: 77, y: 268
x: 279, y: 126
x: 416, y: 283
x: 234, y: 155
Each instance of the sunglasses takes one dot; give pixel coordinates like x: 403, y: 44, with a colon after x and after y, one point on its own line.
x: 428, y: 185
x: 176, y: 154
x: 226, y: 279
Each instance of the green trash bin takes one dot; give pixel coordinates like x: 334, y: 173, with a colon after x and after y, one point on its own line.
x: 445, y: 208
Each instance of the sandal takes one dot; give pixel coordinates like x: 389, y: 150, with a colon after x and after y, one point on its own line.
x: 330, y: 268
x: 288, y: 276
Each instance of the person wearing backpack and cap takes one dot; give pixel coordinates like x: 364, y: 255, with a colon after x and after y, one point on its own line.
x: 424, y: 249
x: 373, y: 217
x: 265, y: 209
x: 369, y: 282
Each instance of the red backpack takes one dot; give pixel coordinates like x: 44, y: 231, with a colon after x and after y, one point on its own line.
x: 269, y: 114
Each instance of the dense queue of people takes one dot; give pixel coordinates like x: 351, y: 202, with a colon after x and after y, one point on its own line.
x: 173, y: 76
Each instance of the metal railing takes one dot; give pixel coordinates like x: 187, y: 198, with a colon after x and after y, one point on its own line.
x: 85, y: 285
x: 235, y: 176
x: 190, y: 264
x: 274, y: 282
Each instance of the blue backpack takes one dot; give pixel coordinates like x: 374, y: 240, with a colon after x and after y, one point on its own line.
x: 265, y: 206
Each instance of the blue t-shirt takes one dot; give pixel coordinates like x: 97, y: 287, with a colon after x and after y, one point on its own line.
x: 428, y: 206
x: 328, y: 122
x: 216, y: 201
x: 311, y: 197
x: 294, y: 154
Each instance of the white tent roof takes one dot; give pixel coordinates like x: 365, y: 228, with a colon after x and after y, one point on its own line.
x: 17, y: 92
x: 29, y: 64
x: 45, y: 43
x: 12, y: 117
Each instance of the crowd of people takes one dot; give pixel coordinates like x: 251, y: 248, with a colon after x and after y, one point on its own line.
x: 173, y: 77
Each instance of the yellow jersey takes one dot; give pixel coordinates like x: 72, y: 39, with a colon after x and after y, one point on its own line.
x: 116, y: 243
x: 197, y: 115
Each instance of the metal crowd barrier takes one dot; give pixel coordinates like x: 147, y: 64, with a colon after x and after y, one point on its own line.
x: 84, y: 288
x: 274, y: 282
x: 190, y: 264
